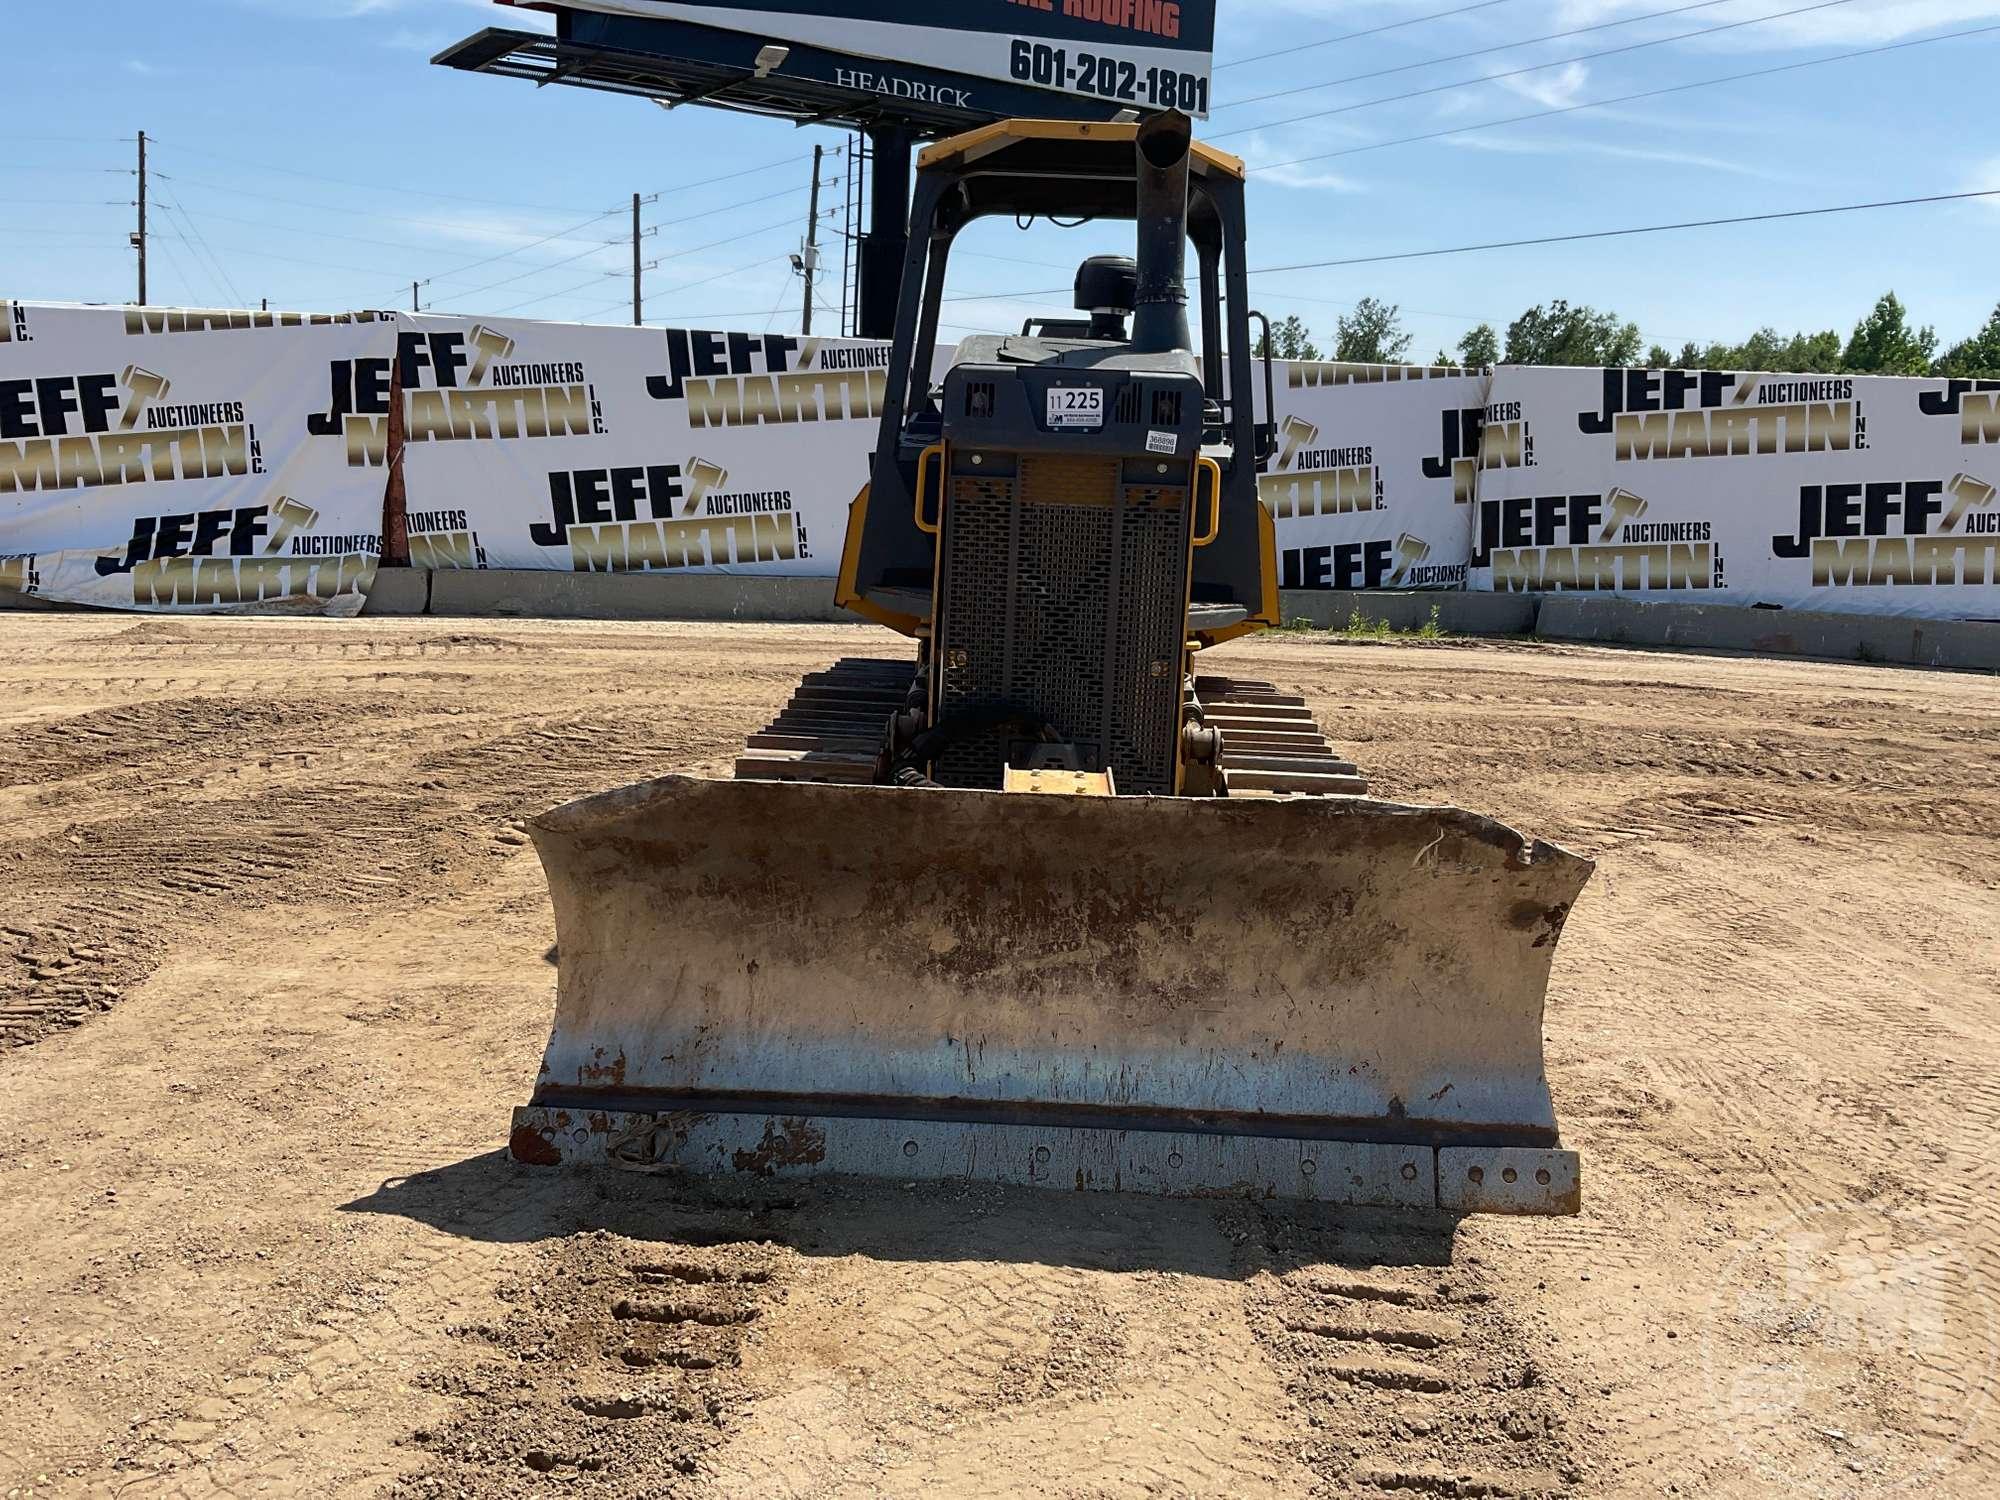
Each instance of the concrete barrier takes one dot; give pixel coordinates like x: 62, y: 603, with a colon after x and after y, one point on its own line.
x: 399, y: 591
x: 15, y: 599
x: 1457, y: 614
x: 1969, y: 644
x: 632, y: 596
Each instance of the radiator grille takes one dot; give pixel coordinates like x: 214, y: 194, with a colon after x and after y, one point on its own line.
x: 1063, y: 594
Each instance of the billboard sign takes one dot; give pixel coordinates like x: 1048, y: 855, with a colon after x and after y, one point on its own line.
x: 1143, y: 55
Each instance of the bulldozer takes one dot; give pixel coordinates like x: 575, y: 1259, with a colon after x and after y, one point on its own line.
x: 1050, y: 903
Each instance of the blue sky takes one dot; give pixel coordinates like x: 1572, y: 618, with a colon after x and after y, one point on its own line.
x: 308, y: 153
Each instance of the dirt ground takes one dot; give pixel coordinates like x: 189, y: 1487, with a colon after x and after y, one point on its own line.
x: 273, y: 970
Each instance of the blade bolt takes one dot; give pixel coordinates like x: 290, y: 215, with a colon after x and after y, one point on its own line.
x: 1477, y: 1174
x: 1308, y: 1166
x: 1173, y: 1158
x: 1542, y: 1176
x: 1509, y: 1175
x: 1409, y: 1171
x: 909, y: 1148
x: 1041, y: 1153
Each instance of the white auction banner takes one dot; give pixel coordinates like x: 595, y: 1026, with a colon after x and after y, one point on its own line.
x: 1868, y: 494
x: 167, y: 459
x: 1373, y: 481
x: 629, y: 450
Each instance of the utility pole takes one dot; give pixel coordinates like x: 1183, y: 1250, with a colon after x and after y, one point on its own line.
x: 811, y: 256
x: 415, y: 305
x: 638, y: 291
x: 139, y: 239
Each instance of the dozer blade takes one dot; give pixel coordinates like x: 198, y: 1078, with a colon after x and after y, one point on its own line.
x: 1321, y: 997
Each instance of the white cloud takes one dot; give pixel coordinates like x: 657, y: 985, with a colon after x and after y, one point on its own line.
x: 1306, y: 176
x: 1984, y: 177
x: 1305, y: 140
x: 1552, y: 88
x: 1860, y: 24
x: 423, y: 43
x: 440, y: 12
x: 1513, y: 145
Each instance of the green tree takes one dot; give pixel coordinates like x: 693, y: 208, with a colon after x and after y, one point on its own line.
x: 1885, y: 344
x: 1657, y: 358
x: 1767, y: 349
x: 1480, y: 348
x: 1291, y: 341
x: 1445, y: 360
x: 1558, y: 334
x: 1372, y: 334
x: 1976, y: 358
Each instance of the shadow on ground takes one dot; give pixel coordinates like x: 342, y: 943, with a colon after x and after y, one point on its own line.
x: 490, y: 1197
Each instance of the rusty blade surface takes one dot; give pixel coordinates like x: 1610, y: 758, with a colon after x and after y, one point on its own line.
x: 1338, y: 968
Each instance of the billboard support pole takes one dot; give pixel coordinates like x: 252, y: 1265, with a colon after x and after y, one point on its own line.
x: 888, y: 230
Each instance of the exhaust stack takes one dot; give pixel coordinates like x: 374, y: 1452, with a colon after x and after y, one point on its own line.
x: 1159, y: 316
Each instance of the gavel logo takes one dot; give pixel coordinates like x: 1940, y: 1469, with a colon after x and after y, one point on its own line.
x: 1410, y: 550
x: 144, y: 387
x: 1970, y: 493
x: 703, y: 479
x: 1298, y: 433
x: 292, y: 516
x: 1624, y: 506
x: 492, y: 345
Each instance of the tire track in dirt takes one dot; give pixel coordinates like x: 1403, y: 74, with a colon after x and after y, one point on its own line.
x: 1013, y: 1343
x: 614, y: 1374
x: 90, y: 911
x: 1413, y: 1373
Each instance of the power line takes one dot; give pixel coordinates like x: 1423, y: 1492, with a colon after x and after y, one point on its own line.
x: 1607, y: 234
x: 732, y: 240
x: 317, y: 234
x: 1412, y: 312
x: 377, y: 186
x: 520, y: 249
x: 1676, y: 88
x: 769, y: 166
x: 71, y: 239
x: 1349, y: 36
x: 1431, y: 62
x: 187, y: 220
x: 790, y: 192
x: 551, y: 296
x: 610, y: 213
x: 1558, y: 62
x: 1015, y: 260
x: 688, y: 286
x: 784, y: 296
x: 294, y: 260
x: 534, y: 270
x: 260, y: 196
x: 1553, y: 239
x: 165, y: 242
